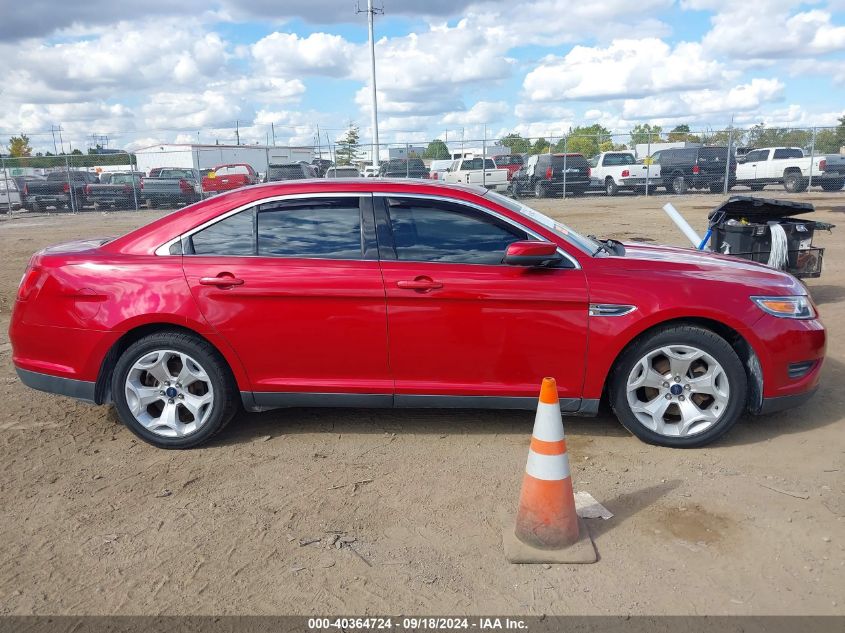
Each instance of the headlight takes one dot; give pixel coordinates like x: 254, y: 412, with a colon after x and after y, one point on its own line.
x: 798, y: 307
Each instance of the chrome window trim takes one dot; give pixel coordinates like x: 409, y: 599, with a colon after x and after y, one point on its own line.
x: 477, y: 207
x: 164, y: 249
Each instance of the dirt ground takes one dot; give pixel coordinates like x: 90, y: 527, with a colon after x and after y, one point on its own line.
x: 92, y: 521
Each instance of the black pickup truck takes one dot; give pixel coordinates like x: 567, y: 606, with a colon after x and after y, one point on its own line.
x: 122, y: 191
x: 61, y: 190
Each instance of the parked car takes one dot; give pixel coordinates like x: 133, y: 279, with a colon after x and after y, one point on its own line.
x: 511, y: 162
x: 619, y: 171
x: 546, y: 174
x: 122, y: 190
x: 403, y: 168
x: 477, y: 171
x: 61, y: 189
x: 321, y: 166
x: 22, y: 183
x: 786, y: 166
x: 343, y: 172
x: 370, y: 171
x: 684, y: 168
x: 250, y: 299
x: 10, y: 197
x: 834, y: 172
x: 227, y: 177
x: 172, y: 187
x: 290, y: 171
x: 437, y: 168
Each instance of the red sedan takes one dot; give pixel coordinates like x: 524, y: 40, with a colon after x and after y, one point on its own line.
x: 379, y: 293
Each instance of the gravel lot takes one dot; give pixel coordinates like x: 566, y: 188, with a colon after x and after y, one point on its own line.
x: 94, y: 521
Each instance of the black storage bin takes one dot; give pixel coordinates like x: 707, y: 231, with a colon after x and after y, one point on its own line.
x: 753, y: 241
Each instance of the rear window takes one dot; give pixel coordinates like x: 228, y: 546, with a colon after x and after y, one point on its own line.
x: 573, y: 160
x: 514, y: 159
x: 343, y: 172
x: 175, y: 173
x: 713, y: 153
x: 789, y: 152
x: 285, y: 172
x: 619, y: 159
x: 478, y: 163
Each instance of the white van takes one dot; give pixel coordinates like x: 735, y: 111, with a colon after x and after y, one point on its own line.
x: 9, y: 194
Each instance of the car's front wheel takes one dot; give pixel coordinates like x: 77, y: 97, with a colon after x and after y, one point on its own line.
x: 679, y: 386
x: 173, y: 390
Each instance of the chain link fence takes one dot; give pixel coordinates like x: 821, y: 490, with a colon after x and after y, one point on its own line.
x: 583, y: 161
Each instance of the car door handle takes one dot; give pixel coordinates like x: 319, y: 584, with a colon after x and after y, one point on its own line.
x: 223, y: 280
x: 420, y: 283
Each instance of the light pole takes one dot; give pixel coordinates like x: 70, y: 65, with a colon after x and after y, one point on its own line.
x: 370, y: 12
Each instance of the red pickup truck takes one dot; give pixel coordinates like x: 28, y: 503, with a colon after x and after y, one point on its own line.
x: 227, y: 177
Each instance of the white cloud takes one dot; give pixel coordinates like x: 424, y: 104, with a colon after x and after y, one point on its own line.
x: 625, y: 68
x: 481, y: 112
x: 288, y: 55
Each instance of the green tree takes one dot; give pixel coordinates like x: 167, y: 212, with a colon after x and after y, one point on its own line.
x: 644, y: 133
x: 437, y: 150
x: 19, y: 146
x: 587, y: 140
x: 540, y: 146
x: 76, y: 152
x: 516, y: 143
x: 347, y: 147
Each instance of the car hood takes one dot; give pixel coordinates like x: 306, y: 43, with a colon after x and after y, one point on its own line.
x: 690, y: 262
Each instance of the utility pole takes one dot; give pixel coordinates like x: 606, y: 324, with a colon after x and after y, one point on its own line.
x: 53, y: 132
x: 237, y: 133
x: 273, y: 129
x: 371, y: 11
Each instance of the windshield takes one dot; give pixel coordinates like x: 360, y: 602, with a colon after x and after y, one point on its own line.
x: 583, y: 243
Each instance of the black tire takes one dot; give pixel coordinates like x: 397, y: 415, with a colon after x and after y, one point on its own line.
x: 757, y: 187
x: 793, y: 182
x: 678, y: 185
x: 152, y: 204
x: 223, y: 407
x: 833, y: 184
x: 610, y: 186
x: 539, y: 189
x: 682, y: 335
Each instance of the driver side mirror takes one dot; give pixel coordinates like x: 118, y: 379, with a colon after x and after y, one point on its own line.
x: 531, y: 253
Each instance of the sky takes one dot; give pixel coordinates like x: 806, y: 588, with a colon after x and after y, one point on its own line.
x: 145, y: 72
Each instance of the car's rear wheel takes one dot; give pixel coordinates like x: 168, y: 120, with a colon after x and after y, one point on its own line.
x: 679, y: 386
x: 173, y: 390
x: 539, y: 190
x: 610, y: 186
x: 678, y: 185
x: 832, y: 184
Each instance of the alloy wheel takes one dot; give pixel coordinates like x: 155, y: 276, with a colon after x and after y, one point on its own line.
x: 169, y: 393
x: 678, y: 391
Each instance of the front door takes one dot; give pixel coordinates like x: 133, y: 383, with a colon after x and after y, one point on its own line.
x: 464, y: 325
x: 294, y: 288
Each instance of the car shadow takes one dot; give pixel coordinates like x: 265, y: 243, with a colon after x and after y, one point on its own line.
x: 821, y: 410
x: 827, y: 294
x: 246, y: 427
x: 624, y: 506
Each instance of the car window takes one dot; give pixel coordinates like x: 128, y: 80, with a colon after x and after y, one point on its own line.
x: 232, y: 236
x: 618, y: 159
x: 293, y: 171
x: 432, y: 231
x: 325, y: 228
x: 789, y: 152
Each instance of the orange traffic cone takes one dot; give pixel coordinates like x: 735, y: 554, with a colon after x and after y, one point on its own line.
x: 547, y: 528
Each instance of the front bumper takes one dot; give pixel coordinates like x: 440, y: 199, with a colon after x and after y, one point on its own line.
x: 79, y: 389
x: 782, y: 403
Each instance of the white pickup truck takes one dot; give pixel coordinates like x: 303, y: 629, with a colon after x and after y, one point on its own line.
x: 477, y: 171
x: 784, y: 165
x: 615, y: 171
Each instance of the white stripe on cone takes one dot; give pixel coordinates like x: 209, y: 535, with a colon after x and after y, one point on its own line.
x: 548, y: 424
x: 547, y: 467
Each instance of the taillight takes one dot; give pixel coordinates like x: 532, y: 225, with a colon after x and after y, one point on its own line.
x: 141, y: 184
x: 87, y: 190
x: 28, y: 282
x: 26, y: 189
x: 695, y: 169
x: 66, y: 188
x: 548, y: 173
x: 185, y: 186
x: 589, y: 171
x: 625, y: 173
x: 822, y: 164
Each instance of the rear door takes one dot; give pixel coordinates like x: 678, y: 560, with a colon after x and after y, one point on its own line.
x: 294, y: 286
x: 466, y: 326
